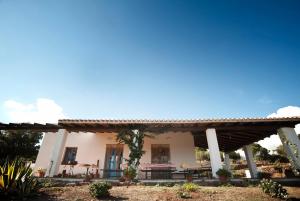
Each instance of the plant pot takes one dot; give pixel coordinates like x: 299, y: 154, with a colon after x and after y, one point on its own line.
x: 41, y: 174
x: 189, y: 178
x: 223, y: 179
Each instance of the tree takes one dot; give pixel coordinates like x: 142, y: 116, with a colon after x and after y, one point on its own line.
x: 22, y: 144
x: 255, y: 149
x: 263, y: 155
x: 201, y: 154
x: 234, y: 156
x: 134, y: 138
x: 280, y: 151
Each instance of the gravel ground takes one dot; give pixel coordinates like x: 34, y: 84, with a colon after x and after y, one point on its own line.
x: 152, y: 193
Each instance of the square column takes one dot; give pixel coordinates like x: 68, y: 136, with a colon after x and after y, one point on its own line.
x: 227, y: 162
x: 214, y: 151
x: 250, y: 161
x: 57, y: 152
x: 291, y: 145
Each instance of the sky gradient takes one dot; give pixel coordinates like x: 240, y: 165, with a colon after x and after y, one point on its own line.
x: 151, y: 59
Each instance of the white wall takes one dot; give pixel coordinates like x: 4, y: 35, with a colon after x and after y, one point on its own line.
x: 182, y: 148
x: 92, y: 146
x: 43, y: 157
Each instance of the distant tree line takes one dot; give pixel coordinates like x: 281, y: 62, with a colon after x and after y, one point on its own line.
x: 262, y: 154
x: 21, y: 144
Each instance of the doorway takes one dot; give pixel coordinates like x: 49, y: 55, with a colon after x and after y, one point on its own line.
x: 113, y: 161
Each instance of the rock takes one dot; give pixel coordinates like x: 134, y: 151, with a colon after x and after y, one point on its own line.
x: 71, y: 184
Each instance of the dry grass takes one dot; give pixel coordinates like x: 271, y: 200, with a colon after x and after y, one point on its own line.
x: 152, y: 193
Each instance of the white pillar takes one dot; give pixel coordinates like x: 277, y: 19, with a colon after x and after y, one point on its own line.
x: 57, y: 152
x: 214, y: 151
x: 250, y: 161
x: 291, y: 145
x: 227, y: 162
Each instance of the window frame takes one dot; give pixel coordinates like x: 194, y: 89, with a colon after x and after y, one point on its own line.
x: 64, y: 162
x: 162, y: 145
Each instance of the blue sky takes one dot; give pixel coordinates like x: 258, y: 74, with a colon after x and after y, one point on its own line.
x: 151, y: 59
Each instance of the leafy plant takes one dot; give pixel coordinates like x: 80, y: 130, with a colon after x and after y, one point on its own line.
x: 16, y: 180
x: 100, y: 189
x: 190, y: 187
x: 223, y: 173
x: 234, y: 156
x: 134, y: 138
x: 21, y: 144
x: 201, y: 154
x: 130, y: 173
x: 167, y: 184
x: 273, y: 188
x: 184, y: 195
x: 46, y: 183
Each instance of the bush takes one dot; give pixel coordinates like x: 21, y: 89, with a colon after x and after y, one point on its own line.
x: 100, y: 189
x: 234, y: 156
x: 167, y: 184
x: 184, y: 195
x: 273, y: 188
x: 223, y: 173
x: 190, y: 187
x: 238, y: 173
x: 17, y: 181
x: 47, y: 183
x: 129, y: 173
x: 263, y: 175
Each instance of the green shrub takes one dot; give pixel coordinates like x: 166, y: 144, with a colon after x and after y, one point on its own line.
x: 184, y: 195
x: 129, y: 173
x: 100, y: 189
x: 167, y: 184
x: 16, y: 180
x: 263, y: 175
x: 273, y: 188
x: 223, y: 173
x: 47, y: 183
x: 190, y: 187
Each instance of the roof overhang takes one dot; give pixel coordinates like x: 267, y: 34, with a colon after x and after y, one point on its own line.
x: 231, y: 133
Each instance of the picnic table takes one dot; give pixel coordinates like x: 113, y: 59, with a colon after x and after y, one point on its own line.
x: 195, y: 171
x: 158, y: 171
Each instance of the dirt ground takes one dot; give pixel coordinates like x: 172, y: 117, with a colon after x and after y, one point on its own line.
x: 152, y: 193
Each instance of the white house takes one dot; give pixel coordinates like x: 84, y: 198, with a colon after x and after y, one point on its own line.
x: 92, y: 143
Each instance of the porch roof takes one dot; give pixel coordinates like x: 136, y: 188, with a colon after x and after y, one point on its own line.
x: 232, y: 133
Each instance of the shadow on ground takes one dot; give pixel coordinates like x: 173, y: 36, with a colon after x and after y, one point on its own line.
x: 46, y: 197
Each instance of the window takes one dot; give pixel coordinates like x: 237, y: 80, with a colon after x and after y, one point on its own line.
x: 70, y: 155
x: 160, y: 153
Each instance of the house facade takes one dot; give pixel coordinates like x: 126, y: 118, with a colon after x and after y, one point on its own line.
x: 104, y: 151
x: 74, y: 146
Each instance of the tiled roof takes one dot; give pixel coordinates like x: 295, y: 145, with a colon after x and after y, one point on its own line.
x: 147, y: 121
x: 232, y: 133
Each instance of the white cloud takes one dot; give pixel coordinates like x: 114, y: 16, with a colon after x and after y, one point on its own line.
x: 42, y: 111
x: 289, y: 111
x: 273, y: 141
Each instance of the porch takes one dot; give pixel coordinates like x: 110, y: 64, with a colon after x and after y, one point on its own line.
x: 216, y: 135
